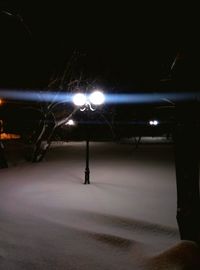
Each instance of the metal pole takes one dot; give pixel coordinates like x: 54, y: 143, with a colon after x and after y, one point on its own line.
x: 87, y: 169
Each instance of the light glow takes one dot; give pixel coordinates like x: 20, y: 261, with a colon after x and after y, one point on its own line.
x: 70, y: 123
x: 153, y: 122
x: 97, y: 98
x: 79, y: 99
x: 9, y: 136
x: 111, y: 98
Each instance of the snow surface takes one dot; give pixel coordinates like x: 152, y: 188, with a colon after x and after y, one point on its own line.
x: 126, y: 217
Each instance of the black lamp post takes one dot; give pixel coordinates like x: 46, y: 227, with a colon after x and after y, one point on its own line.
x: 88, y: 103
x: 87, y: 168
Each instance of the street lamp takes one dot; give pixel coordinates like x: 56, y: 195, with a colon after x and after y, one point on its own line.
x: 88, y: 103
x: 97, y: 98
x: 70, y: 122
x: 79, y: 99
x: 153, y: 122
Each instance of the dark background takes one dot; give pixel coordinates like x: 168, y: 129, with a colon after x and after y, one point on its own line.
x: 125, y: 47
x: 130, y: 47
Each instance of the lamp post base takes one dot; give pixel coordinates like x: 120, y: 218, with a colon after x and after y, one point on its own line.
x: 87, y: 176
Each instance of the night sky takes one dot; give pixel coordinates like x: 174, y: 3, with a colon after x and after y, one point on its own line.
x: 126, y: 47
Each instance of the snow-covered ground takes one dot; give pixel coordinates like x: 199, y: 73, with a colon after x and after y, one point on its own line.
x: 123, y: 220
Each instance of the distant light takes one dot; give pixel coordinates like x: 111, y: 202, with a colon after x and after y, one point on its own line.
x: 9, y: 136
x: 79, y: 99
x: 70, y: 123
x: 1, y: 101
x: 153, y: 122
x: 97, y: 98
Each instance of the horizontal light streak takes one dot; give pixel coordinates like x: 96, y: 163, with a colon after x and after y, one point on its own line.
x: 113, y: 98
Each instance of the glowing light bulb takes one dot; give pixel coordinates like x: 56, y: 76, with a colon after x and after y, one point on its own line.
x: 79, y: 99
x: 97, y: 98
